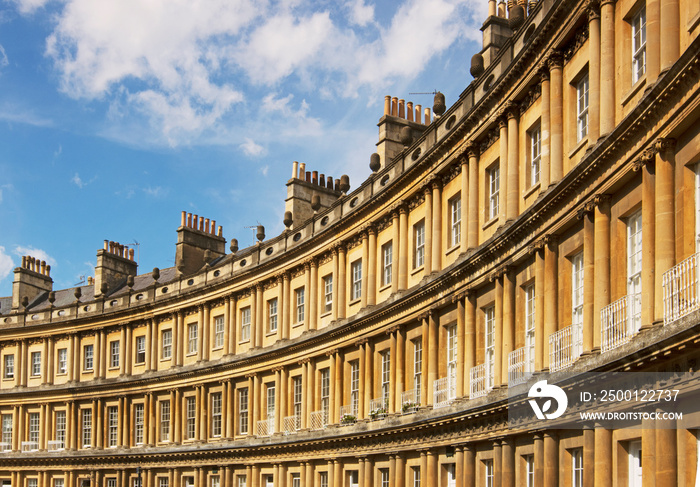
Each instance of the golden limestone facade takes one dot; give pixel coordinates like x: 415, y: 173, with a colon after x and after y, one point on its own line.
x: 546, y: 222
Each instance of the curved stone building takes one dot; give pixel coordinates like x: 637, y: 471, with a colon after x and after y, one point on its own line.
x: 545, y: 224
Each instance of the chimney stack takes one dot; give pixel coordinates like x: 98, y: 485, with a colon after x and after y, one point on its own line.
x: 301, y: 189
x: 114, y: 263
x: 195, y: 236
x: 31, y: 279
x: 397, y: 115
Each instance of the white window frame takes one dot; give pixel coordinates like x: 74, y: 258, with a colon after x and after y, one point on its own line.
x: 535, y: 155
x: 634, y: 271
x: 270, y: 395
x: 299, y: 301
x: 356, y: 272
x: 297, y: 396
x: 386, y: 375
x: 140, y: 349
x: 419, y: 244
x: 489, y: 344
x: 494, y: 177
x: 191, y: 417
x: 60, y: 428
x: 529, y: 470
x: 62, y: 366
x: 34, y: 425
x: 418, y: 367
x: 114, y: 354
x: 387, y: 256
x: 530, y: 310
x: 9, y: 366
x: 88, y: 363
x: 577, y: 289
x: 36, y: 364
x: 634, y: 462
x: 243, y: 411
x: 577, y: 467
x: 272, y: 315
x: 86, y: 428
x: 639, y: 44
x: 582, y: 102
x: 455, y: 206
x: 192, y: 338
x: 219, y: 326
x: 325, y: 391
x: 166, y: 340
x: 112, y: 426
x: 7, y: 427
x: 139, y: 423
x: 245, y: 324
x: 488, y: 473
x: 355, y: 386
x: 328, y: 293
x: 165, y: 420
x: 216, y: 411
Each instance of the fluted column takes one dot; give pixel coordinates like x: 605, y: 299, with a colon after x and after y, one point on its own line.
x: 588, y: 456
x: 230, y: 324
x: 200, y: 333
x: 178, y: 339
x: 513, y: 184
x: 428, y: 205
x: 546, y: 129
x: 395, y: 250
x: 372, y: 267
x: 497, y: 463
x: 593, y: 73
x: 368, y: 370
x: 253, y: 315
x: 403, y: 247
x: 425, y: 335
x: 556, y: 104
x: 601, y: 244
x: 436, y: 257
x: 539, y: 458
x: 399, y: 475
x: 508, y: 462
x: 665, y: 235
x: 541, y: 341
x: 607, y: 66
x: 287, y: 306
x: 551, y: 256
x: 670, y: 27
x: 503, y: 169
x: 313, y: 295
x: 648, y: 240
x: 433, y: 352
x: 473, y: 198
x: 469, y: 337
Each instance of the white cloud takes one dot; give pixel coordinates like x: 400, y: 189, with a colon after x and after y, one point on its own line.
x: 3, y: 57
x: 3, y: 188
x: 264, y: 170
x: 155, y: 192
x: 30, y: 6
x: 6, y: 264
x: 252, y: 149
x: 360, y: 14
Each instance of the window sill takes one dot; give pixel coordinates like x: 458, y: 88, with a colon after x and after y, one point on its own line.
x: 453, y: 248
x: 8, y: 378
x: 531, y: 190
x: 355, y: 301
x: 417, y: 270
x: 326, y: 313
x: 297, y: 325
x: 694, y: 22
x: 489, y: 223
x: 271, y: 333
x: 191, y: 354
x: 88, y: 371
x: 634, y: 90
x: 167, y: 359
x: 579, y: 145
x: 139, y: 364
x: 216, y: 349
x: 385, y: 287
x: 112, y: 368
x: 243, y: 342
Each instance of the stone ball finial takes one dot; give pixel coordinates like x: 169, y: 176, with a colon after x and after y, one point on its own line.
x: 104, y: 288
x: 25, y: 301
x: 130, y: 281
x: 406, y: 136
x: 207, y: 256
x: 374, y: 162
x: 315, y: 202
x: 344, y: 183
x: 234, y: 245
x: 477, y: 68
x: 288, y: 220
x: 260, y: 235
x: 155, y: 274
x: 516, y: 17
x: 77, y: 293
x: 52, y: 297
x: 439, y: 104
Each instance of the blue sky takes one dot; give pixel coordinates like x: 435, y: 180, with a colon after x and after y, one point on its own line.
x: 116, y: 115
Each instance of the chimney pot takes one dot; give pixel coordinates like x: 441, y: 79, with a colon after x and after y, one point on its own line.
x: 387, y: 105
x: 322, y: 180
x: 308, y: 176
x: 409, y: 111
x: 183, y: 219
x: 314, y: 177
x: 394, y: 106
x: 295, y: 169
x: 401, y: 108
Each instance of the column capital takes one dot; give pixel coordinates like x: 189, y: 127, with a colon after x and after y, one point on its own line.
x: 304, y: 360
x: 664, y: 144
x: 601, y: 199
x: 593, y: 9
x: 331, y: 352
x: 361, y: 341
x: 555, y: 60
x: 607, y: 2
x: 512, y: 110
x: 586, y: 209
x: 502, y: 119
x: 550, y: 239
x: 393, y: 329
x: 645, y: 158
x: 472, y: 149
x: 339, y: 247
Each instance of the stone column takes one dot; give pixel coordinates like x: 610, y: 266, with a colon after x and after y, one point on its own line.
x: 498, y: 333
x: 428, y: 205
x: 307, y: 295
x: 653, y: 41
x: 666, y: 455
x: 369, y: 471
x: 433, y: 352
x: 551, y: 256
x: 432, y: 475
x: 503, y: 168
x: 508, y: 319
x: 508, y: 462
x: 513, y: 184
x: 310, y: 391
x: 648, y: 222
x: 593, y: 73
x: 395, y: 250
x: 393, y: 400
x: 260, y: 315
x: 649, y: 453
x: 403, y: 247
x: 98, y: 413
x: 603, y: 457
x: 279, y: 399
x: 400, y: 381
x: 178, y: 338
x: 342, y: 280
x: 539, y: 458
x: 469, y: 465
x: 464, y: 204
x: 252, y: 404
x: 551, y: 459
x: 588, y: 278
x: 337, y: 473
x: 473, y: 211
x: 253, y: 315
x: 365, y: 270
x: 541, y: 341
x: 313, y: 295
x: 425, y: 397
x: 424, y: 465
x: 601, y: 244
x: 368, y: 371
x: 545, y: 128
x: 436, y: 262
x: 338, y: 387
x: 399, y: 475
x: 497, y: 463
x: 200, y: 333
x: 372, y: 267
x: 229, y: 325
x: 556, y: 115
x: 670, y: 27
x: 588, y: 456
x: 287, y: 306
x: 607, y: 67
x: 97, y: 362
x: 333, y: 406
x: 665, y: 256
x: 283, y: 396
x: 469, y: 338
